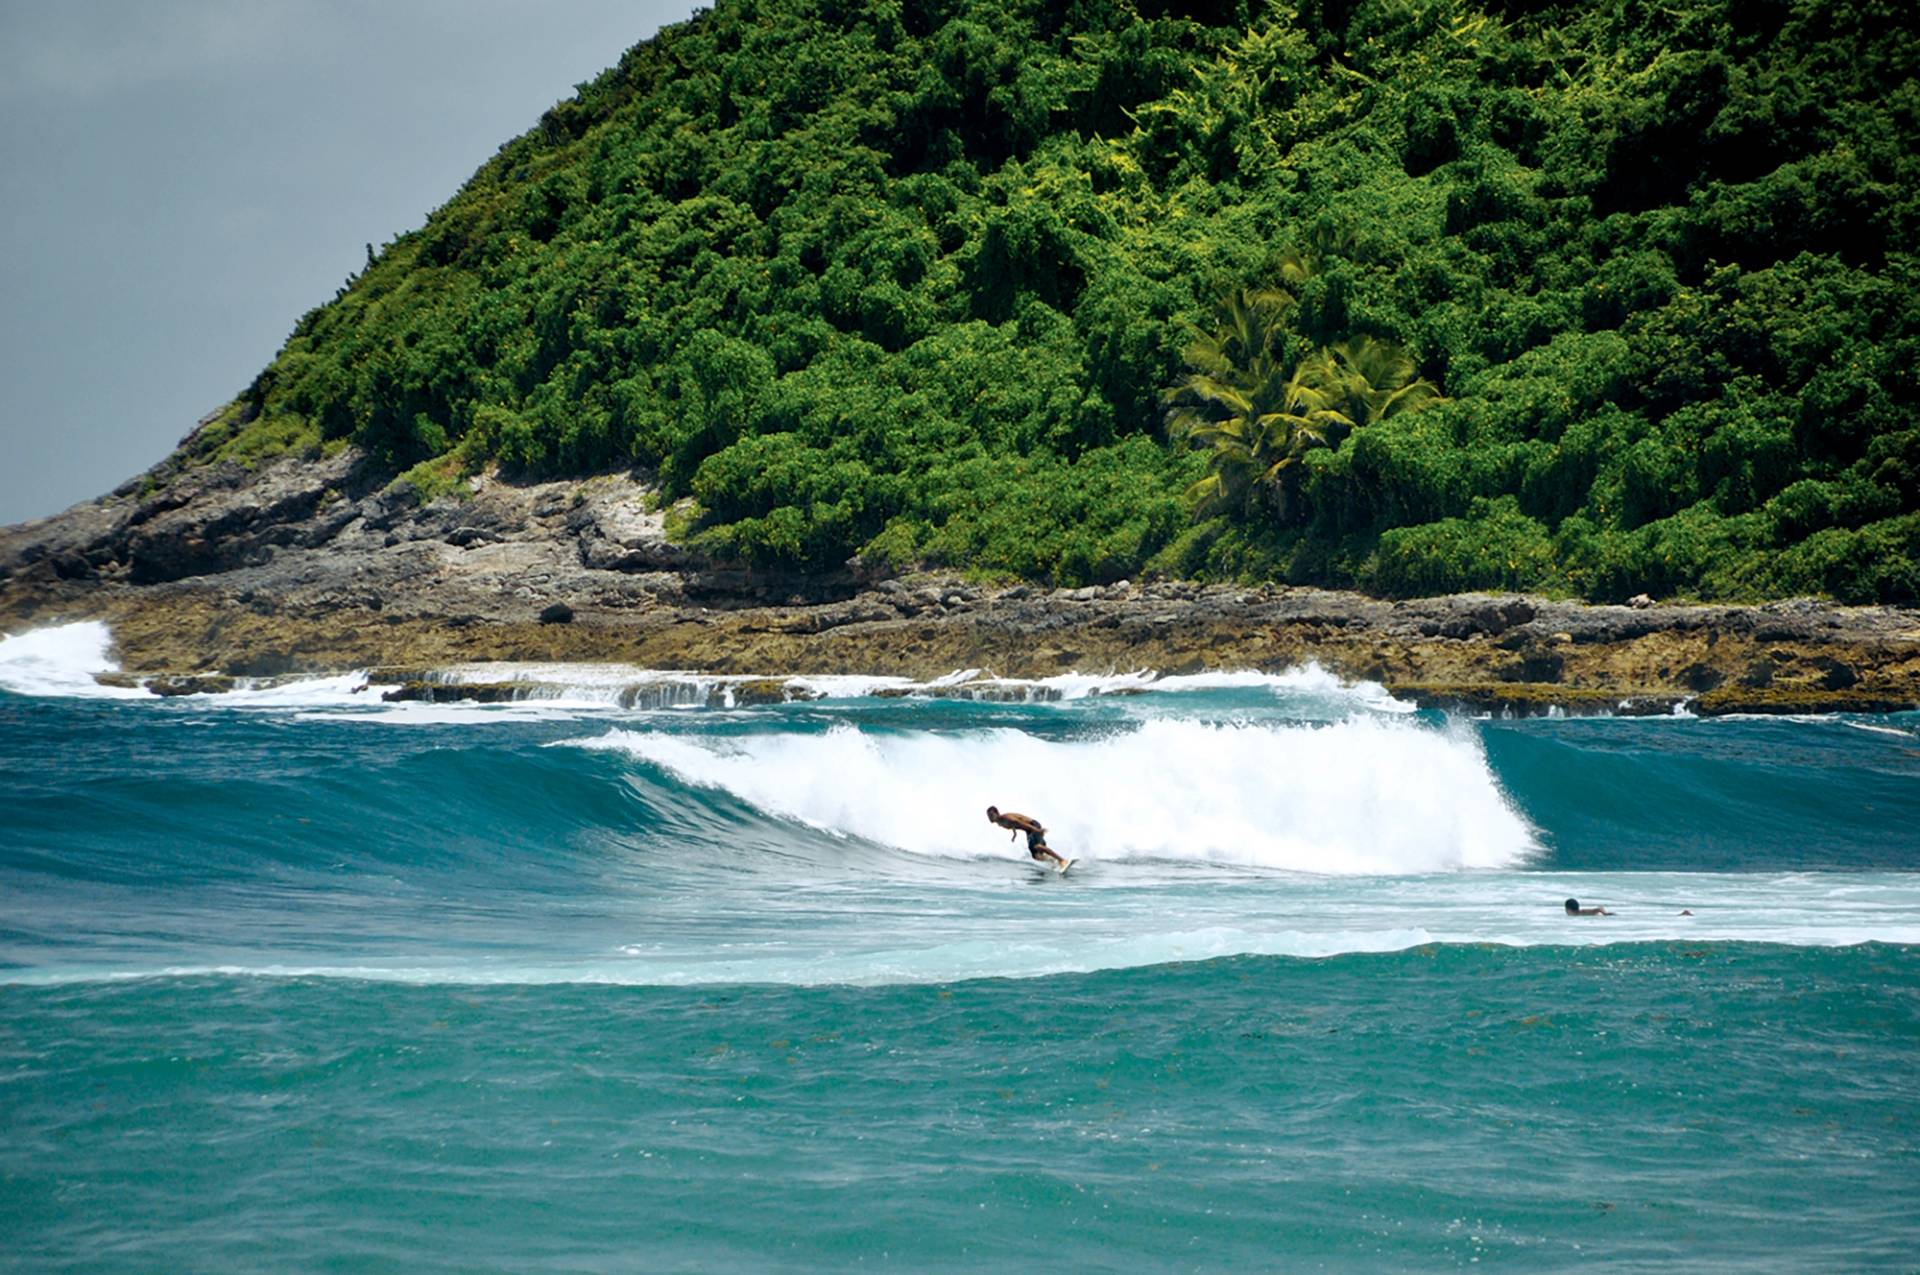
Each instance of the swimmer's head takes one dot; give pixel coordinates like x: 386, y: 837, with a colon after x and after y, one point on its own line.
x: 1573, y: 905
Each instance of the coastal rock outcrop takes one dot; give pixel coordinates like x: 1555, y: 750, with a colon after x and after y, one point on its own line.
x: 310, y: 565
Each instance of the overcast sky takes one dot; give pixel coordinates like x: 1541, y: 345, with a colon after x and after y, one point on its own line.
x: 180, y: 180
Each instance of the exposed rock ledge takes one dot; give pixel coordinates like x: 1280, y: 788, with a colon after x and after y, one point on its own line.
x: 313, y: 566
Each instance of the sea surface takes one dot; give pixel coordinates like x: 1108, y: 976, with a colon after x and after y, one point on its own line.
x: 293, y: 979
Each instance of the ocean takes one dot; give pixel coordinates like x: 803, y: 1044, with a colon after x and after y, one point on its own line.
x: 292, y: 978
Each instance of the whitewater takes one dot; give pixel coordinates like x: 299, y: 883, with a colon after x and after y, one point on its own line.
x: 686, y: 972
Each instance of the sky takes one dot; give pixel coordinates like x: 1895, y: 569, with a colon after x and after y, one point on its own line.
x: 181, y: 180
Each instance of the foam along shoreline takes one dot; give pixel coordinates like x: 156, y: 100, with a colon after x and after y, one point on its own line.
x: 627, y: 687
x: 77, y: 659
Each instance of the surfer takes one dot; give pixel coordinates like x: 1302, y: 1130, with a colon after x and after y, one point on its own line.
x: 1036, y: 835
x: 1574, y: 909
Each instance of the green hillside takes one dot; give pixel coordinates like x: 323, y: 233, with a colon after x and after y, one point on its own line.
x: 923, y: 282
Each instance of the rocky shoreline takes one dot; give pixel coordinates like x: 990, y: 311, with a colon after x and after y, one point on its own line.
x: 316, y: 566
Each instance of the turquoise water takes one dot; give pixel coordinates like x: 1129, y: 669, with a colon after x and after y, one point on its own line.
x: 291, y: 979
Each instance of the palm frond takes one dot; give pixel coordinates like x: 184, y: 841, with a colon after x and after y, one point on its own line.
x: 1206, y: 492
x: 1381, y: 364
x: 1409, y: 398
x: 1296, y: 269
x: 1225, y: 437
x: 1278, y: 467
x: 1202, y: 391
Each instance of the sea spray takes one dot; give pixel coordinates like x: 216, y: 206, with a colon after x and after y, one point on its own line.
x: 61, y: 661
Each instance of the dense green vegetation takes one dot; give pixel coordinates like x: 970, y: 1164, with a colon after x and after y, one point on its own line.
x: 932, y: 283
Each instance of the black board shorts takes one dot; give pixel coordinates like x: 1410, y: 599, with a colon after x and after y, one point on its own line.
x: 1036, y: 841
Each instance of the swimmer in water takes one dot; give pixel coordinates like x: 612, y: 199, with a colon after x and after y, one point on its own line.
x: 1574, y: 909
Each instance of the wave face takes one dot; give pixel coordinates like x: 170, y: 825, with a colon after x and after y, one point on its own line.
x: 1726, y: 795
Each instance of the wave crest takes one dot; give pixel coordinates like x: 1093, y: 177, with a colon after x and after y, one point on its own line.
x: 1359, y: 796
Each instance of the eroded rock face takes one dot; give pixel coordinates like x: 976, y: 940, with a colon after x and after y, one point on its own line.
x: 617, y: 533
x: 316, y: 565
x: 302, y: 534
x: 237, y: 519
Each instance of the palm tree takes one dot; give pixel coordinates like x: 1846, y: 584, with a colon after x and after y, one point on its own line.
x: 1249, y: 323
x: 1258, y: 416
x: 1258, y: 447
x: 1372, y: 379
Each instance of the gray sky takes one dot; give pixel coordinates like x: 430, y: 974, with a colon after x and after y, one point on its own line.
x: 180, y: 180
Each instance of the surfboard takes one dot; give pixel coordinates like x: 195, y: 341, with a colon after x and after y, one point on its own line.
x: 1068, y: 864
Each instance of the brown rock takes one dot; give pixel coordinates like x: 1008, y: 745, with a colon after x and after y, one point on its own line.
x: 456, y: 692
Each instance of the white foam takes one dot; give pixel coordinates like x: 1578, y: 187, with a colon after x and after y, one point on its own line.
x: 345, y: 690
x: 598, y: 685
x: 615, y: 684
x: 1364, y: 795
x: 846, y: 685
x: 61, y: 661
x: 1308, y: 679
x: 625, y: 686
x: 467, y: 713
x: 587, y: 685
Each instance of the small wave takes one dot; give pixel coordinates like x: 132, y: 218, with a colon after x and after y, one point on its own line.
x: 1877, y: 730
